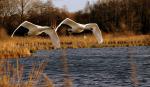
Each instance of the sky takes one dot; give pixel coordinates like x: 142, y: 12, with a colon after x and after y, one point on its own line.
x: 72, y: 5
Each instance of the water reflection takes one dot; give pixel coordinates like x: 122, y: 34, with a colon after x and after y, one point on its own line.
x: 133, y: 66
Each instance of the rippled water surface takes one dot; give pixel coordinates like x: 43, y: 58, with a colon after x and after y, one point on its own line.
x: 102, y: 67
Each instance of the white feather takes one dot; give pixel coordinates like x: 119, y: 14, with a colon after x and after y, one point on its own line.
x: 96, y: 31
x: 36, y: 30
x: 78, y: 28
x: 54, y: 37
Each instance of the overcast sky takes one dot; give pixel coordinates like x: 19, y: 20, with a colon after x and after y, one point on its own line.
x: 72, y: 5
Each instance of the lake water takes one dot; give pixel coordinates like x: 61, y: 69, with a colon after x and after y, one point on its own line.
x: 97, y: 67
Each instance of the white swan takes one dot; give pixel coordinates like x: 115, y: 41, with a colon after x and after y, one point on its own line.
x: 36, y: 30
x: 78, y: 28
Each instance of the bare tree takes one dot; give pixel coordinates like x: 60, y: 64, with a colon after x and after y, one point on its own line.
x: 24, y: 6
x: 7, y: 8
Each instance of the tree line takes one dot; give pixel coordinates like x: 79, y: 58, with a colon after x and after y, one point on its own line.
x: 14, y: 12
x: 112, y: 16
x: 118, y: 16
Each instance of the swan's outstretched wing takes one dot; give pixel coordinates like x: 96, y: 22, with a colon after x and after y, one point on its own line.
x: 68, y: 22
x: 96, y: 31
x: 54, y: 37
x: 27, y: 25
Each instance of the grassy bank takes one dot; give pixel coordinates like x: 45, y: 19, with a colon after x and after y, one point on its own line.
x: 23, y: 46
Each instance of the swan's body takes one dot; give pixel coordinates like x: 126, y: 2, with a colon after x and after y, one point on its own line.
x: 36, y: 30
x: 78, y: 28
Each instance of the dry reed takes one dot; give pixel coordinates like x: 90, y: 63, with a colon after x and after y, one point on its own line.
x: 9, y: 77
x: 23, y: 46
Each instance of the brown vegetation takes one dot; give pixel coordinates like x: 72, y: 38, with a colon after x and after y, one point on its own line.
x: 24, y: 46
x: 12, y: 76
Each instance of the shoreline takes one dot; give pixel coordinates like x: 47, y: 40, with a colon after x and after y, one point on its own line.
x: 19, y: 47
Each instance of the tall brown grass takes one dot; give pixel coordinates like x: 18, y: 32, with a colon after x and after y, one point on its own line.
x: 24, y: 46
x: 11, y: 76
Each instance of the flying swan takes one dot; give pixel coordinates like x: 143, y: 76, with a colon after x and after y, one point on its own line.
x: 36, y: 30
x: 78, y: 28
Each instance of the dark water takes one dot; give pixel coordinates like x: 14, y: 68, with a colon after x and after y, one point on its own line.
x: 105, y: 67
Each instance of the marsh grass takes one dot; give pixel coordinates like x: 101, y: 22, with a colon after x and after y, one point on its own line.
x: 109, y: 41
x: 11, y: 75
x: 8, y: 49
x: 23, y: 46
x: 126, y: 41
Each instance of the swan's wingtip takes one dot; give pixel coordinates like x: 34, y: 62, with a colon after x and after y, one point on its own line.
x: 101, y: 41
x: 57, y: 48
